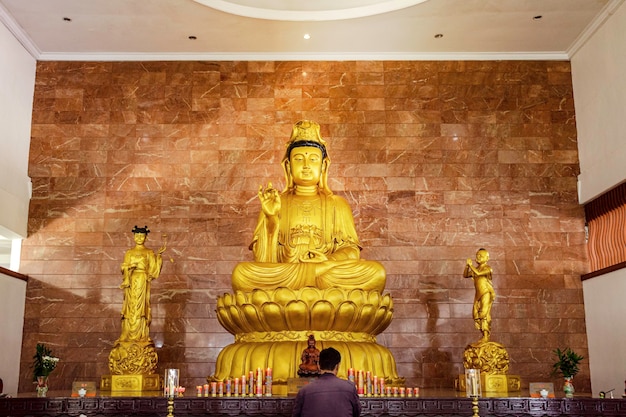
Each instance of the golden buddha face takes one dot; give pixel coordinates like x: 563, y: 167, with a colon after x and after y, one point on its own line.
x: 305, y: 164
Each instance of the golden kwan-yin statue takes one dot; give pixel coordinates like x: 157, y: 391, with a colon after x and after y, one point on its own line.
x: 307, y: 278
x: 133, y: 359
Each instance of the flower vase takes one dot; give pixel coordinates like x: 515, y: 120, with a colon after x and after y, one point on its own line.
x: 568, y: 387
x: 42, y: 386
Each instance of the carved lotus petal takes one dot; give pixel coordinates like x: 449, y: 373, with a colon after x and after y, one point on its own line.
x: 226, y: 321
x: 374, y: 298
x: 274, y: 317
x: 310, y: 295
x: 346, y: 315
x: 297, y: 315
x: 335, y: 296
x: 253, y: 317
x: 356, y: 296
x: 259, y: 297
x: 381, y: 321
x: 241, y: 298
x: 322, y: 315
x: 366, y: 314
x: 243, y: 318
x: 283, y: 296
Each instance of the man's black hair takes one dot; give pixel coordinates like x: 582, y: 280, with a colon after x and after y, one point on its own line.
x: 329, y: 358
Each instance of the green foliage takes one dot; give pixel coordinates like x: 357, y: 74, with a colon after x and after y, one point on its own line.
x: 567, y: 363
x: 43, y: 361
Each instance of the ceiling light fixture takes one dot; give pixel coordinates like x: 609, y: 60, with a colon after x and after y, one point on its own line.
x: 298, y: 11
x: 67, y: 19
x: 538, y: 17
x: 439, y: 36
x: 307, y: 36
x: 192, y: 37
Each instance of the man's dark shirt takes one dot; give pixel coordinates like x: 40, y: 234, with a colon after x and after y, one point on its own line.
x: 327, y: 396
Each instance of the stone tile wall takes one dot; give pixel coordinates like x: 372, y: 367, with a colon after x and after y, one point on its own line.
x: 437, y: 159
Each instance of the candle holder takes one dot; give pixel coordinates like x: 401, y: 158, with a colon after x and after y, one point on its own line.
x: 472, y: 383
x: 169, y: 389
x: 472, y: 388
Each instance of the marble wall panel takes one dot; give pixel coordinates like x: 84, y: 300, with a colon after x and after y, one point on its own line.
x: 436, y: 159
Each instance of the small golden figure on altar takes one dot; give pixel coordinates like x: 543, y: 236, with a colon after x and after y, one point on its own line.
x: 485, y: 294
x: 305, y: 235
x: 310, y: 358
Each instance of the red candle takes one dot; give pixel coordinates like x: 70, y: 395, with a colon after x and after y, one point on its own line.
x: 360, y: 386
x: 259, y: 382
x: 268, y: 382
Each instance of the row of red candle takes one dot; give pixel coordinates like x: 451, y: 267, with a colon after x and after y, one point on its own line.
x: 367, y: 385
x: 257, y: 383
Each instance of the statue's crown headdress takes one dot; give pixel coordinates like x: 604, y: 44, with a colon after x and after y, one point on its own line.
x: 306, y: 133
x: 144, y: 230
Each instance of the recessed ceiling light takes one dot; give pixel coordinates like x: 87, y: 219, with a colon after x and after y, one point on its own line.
x: 439, y: 35
x: 192, y: 37
x: 67, y: 19
x: 538, y: 17
x: 307, y: 36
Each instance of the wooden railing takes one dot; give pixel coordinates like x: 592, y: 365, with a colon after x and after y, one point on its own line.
x: 281, y: 407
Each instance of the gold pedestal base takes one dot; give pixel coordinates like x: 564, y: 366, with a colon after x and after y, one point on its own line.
x: 131, y: 384
x: 493, y: 384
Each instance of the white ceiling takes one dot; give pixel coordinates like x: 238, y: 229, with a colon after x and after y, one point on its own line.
x: 381, y: 29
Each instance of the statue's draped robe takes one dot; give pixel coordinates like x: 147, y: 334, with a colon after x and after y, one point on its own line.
x: 277, y: 252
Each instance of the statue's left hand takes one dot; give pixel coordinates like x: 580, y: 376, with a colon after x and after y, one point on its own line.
x: 313, y: 256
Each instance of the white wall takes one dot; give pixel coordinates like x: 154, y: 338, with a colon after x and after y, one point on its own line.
x: 606, y: 331
x: 598, y: 73
x: 17, y: 83
x: 599, y: 77
x: 12, y: 302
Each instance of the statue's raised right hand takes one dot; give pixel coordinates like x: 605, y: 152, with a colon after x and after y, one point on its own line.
x: 270, y: 200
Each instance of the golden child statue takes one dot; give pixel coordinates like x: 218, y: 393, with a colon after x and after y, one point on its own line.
x: 134, y: 352
x: 307, y: 277
x: 485, y: 294
x: 490, y: 357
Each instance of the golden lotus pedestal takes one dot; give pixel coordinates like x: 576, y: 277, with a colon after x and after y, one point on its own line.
x: 493, y: 385
x: 271, y: 329
x: 133, y: 385
x: 132, y: 366
x: 492, y: 360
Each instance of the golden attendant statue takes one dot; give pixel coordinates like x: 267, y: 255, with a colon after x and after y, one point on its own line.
x: 133, y: 359
x: 307, y: 277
